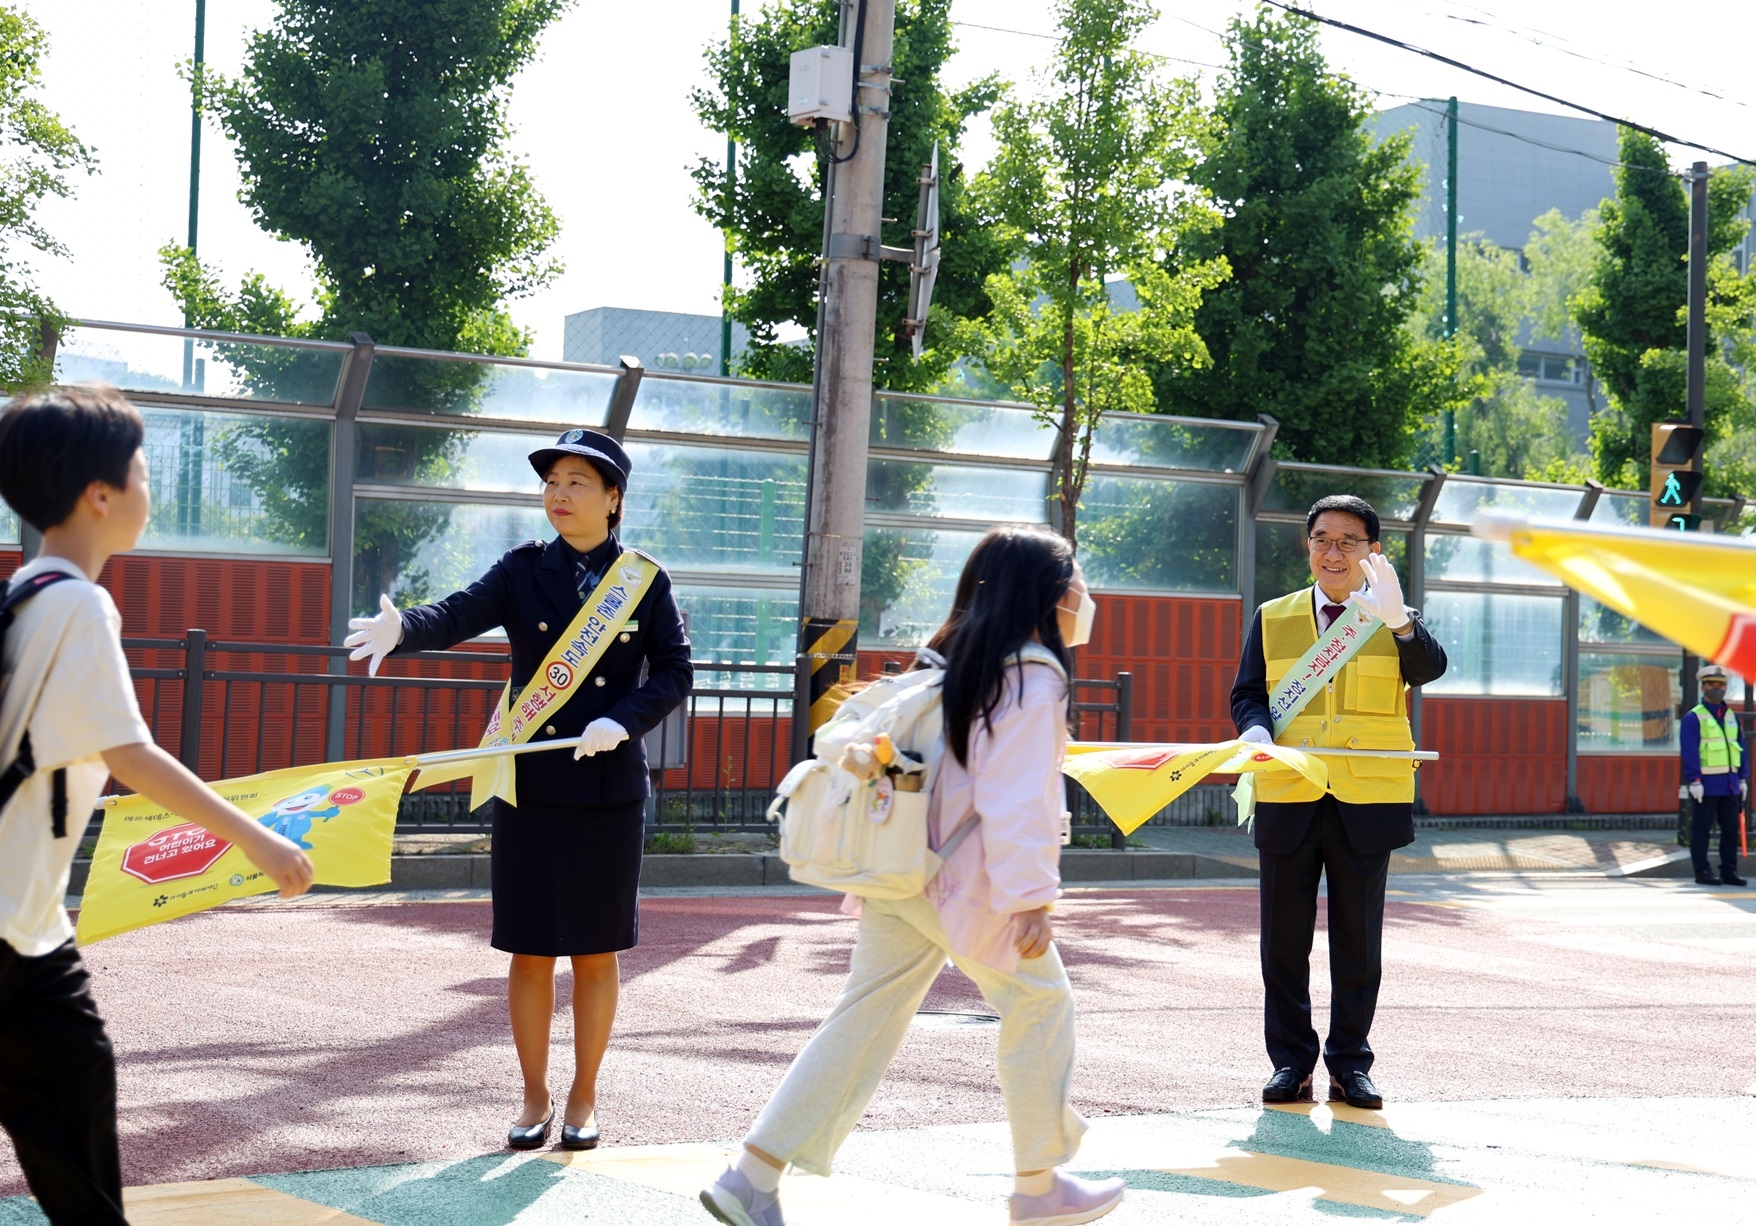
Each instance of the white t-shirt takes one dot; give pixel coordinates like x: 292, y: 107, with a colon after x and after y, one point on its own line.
x: 65, y: 650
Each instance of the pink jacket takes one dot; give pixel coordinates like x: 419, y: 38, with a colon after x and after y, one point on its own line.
x: 1011, y: 861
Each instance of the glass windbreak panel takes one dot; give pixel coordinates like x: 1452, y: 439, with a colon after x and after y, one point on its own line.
x: 422, y: 551
x: 1598, y: 624
x: 1623, y: 510
x: 1148, y: 439
x: 718, y: 509
x: 952, y: 491
x: 9, y: 534
x: 1146, y: 534
x: 1469, y: 559
x: 964, y: 429
x: 1627, y: 703
x: 237, y: 370
x: 1283, y: 559
x: 907, y: 577
x: 1295, y: 489
x: 485, y: 389
x: 1497, y: 643
x: 448, y: 459
x: 224, y: 483
x: 740, y: 626
x: 1459, y: 501
x: 682, y: 406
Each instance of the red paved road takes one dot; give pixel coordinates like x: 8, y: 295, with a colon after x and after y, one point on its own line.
x: 274, y: 1038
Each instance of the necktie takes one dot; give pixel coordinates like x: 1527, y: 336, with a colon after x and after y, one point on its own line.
x: 1331, y: 612
x: 588, y: 578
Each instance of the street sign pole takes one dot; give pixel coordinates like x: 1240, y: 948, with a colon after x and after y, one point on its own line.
x: 1697, y: 405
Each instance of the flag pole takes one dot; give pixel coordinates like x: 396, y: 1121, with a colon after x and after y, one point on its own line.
x: 1406, y: 755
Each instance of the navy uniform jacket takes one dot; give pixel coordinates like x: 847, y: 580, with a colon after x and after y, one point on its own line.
x: 1372, y: 829
x: 531, y: 592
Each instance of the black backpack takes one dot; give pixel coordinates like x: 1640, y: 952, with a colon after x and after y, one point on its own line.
x: 24, y: 765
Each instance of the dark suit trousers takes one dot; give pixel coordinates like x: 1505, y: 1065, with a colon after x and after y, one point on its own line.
x: 58, y: 1087
x: 1711, y: 811
x: 1356, y: 943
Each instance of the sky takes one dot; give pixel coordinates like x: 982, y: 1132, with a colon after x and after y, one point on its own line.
x: 604, y: 122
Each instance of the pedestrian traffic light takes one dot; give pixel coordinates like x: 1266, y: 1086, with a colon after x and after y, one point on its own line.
x: 1676, y: 476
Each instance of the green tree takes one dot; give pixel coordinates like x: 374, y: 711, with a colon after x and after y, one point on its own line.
x: 771, y: 208
x: 1312, y: 326
x: 1086, y: 182
x: 373, y: 134
x: 1514, y: 431
x: 1633, y: 314
x: 37, y: 152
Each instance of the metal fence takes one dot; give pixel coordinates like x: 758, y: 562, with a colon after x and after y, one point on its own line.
x: 257, y: 707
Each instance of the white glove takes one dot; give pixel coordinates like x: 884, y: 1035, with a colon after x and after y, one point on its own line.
x: 1383, y: 595
x: 1256, y: 734
x: 375, y: 636
x: 599, y: 735
x: 1696, y: 791
x: 1743, y: 789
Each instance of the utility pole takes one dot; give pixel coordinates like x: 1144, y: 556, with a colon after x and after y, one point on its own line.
x: 725, y: 318
x: 1697, y: 403
x: 829, y: 604
x: 1451, y: 259
x: 194, y: 168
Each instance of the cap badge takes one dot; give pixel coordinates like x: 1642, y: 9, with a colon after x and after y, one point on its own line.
x: 573, y: 436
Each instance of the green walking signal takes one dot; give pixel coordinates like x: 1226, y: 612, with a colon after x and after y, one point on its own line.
x: 1676, y: 475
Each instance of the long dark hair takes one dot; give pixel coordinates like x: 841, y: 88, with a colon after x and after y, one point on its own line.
x: 1009, y: 588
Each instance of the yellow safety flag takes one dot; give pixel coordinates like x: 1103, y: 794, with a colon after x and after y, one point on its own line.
x: 1696, y: 589
x: 1132, y: 784
x: 152, y: 865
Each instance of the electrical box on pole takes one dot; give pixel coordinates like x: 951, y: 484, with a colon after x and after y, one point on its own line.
x: 820, y: 85
x: 1676, y: 474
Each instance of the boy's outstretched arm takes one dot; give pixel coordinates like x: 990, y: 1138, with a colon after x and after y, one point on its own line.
x: 162, y: 779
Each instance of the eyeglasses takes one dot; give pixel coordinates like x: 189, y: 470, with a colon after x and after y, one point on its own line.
x: 1347, y: 544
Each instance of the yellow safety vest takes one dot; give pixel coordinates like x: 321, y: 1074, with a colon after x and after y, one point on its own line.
x: 1720, y: 751
x: 1366, y: 709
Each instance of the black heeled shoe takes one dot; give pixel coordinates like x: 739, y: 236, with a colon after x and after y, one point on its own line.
x: 531, y: 1136
x: 585, y: 1137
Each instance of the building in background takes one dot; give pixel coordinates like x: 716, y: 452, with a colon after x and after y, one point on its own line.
x: 662, y: 340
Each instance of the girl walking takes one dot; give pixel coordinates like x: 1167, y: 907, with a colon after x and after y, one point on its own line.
x: 1005, y: 706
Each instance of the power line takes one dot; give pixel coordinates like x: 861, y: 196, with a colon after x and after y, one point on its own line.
x: 1416, y: 102
x: 1499, y: 80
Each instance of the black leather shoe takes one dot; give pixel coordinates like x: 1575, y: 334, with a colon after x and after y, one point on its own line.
x: 1730, y: 877
x: 1288, y: 1085
x: 1707, y: 878
x: 531, y: 1136
x: 585, y: 1137
x: 1356, y: 1089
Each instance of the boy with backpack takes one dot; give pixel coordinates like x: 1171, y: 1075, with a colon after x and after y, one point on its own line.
x: 71, y: 466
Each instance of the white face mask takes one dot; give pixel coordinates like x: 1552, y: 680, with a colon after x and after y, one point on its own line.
x: 1083, y: 616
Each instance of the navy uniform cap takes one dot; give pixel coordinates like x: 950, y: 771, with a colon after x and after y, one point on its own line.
x: 604, y: 452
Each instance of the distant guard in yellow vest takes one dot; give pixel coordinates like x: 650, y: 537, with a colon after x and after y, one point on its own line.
x: 1716, y: 774
x: 1317, y: 671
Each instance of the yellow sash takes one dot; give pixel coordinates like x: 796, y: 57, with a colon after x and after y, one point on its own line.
x: 560, y: 674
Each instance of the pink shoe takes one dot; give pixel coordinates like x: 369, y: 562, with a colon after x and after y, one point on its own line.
x: 1068, y: 1203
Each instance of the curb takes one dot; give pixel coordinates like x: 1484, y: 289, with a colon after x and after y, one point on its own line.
x: 471, y: 872
x: 1675, y: 864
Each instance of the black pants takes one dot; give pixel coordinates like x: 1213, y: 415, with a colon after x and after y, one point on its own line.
x: 1709, y: 811
x: 58, y: 1087
x: 1356, y: 943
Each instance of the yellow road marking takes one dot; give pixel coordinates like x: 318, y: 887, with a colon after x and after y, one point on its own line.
x: 227, y: 1202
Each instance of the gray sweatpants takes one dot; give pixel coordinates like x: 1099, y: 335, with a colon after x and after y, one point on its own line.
x: 899, y: 952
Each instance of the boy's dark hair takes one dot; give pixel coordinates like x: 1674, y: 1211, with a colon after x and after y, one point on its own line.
x: 1009, y: 588
x: 1359, y: 508
x: 54, y: 444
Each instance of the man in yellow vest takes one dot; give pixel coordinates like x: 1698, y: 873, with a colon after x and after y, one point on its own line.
x: 1329, y: 666
x: 1717, y: 776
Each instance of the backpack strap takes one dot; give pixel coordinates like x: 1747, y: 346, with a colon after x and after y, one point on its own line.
x: 25, y: 765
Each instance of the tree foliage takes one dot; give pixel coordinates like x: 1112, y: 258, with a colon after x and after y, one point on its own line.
x: 373, y: 135
x: 1312, y: 326
x: 1633, y: 314
x: 1087, y: 182
x: 771, y: 208
x: 37, y: 154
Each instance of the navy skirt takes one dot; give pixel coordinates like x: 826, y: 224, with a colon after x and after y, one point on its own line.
x: 567, y: 878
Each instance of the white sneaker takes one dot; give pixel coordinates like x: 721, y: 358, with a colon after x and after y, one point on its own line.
x: 732, y: 1200
x: 1070, y: 1202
